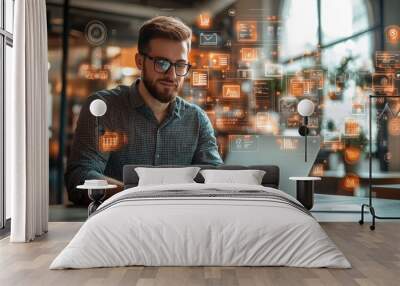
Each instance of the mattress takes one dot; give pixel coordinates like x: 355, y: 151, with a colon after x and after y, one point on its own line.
x: 201, y: 225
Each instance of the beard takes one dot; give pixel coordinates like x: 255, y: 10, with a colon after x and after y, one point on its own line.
x: 162, y: 93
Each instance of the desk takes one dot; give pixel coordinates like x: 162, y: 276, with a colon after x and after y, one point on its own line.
x: 379, y: 178
x: 392, y: 186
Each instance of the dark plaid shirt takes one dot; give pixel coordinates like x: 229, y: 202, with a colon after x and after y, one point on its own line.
x: 185, y: 137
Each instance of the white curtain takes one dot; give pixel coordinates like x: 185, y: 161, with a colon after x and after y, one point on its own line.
x: 26, y: 124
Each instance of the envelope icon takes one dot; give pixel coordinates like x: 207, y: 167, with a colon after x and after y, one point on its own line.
x: 208, y: 39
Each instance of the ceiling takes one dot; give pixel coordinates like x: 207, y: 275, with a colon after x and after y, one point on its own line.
x: 187, y: 10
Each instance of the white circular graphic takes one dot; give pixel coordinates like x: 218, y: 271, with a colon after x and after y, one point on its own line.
x: 96, y: 32
x: 305, y: 107
x: 98, y: 107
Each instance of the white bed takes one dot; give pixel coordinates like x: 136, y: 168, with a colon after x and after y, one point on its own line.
x: 185, y: 230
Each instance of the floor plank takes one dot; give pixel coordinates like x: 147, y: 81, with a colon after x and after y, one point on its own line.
x: 375, y: 257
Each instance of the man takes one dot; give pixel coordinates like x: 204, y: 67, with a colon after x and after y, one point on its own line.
x: 160, y: 127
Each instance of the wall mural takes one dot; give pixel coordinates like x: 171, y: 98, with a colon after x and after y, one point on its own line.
x: 247, y: 89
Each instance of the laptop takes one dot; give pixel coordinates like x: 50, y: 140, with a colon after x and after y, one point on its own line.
x: 286, y: 152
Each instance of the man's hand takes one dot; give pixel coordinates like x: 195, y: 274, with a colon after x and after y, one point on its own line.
x: 113, y: 181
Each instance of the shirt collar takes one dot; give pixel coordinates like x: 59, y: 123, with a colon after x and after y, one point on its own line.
x: 135, y: 98
x: 137, y: 101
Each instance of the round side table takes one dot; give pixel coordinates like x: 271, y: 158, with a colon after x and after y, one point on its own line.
x: 96, y: 194
x: 305, y: 190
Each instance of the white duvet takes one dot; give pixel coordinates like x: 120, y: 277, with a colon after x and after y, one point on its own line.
x: 200, y: 231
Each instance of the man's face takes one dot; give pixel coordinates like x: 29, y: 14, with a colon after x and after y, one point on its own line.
x: 163, y: 86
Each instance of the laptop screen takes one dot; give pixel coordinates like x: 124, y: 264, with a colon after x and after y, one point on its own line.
x: 286, y: 152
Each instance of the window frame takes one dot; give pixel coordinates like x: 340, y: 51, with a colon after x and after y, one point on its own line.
x: 6, y: 39
x: 321, y: 46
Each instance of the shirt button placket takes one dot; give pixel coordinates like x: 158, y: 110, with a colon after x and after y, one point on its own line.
x: 157, y: 155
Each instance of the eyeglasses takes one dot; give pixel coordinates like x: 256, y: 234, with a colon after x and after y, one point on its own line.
x: 162, y: 65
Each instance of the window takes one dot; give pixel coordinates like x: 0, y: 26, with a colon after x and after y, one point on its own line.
x: 337, y: 38
x: 353, y: 17
x: 2, y: 205
x: 9, y: 15
x: 300, y: 26
x: 360, y: 48
x: 6, y: 43
x: 310, y: 24
x: 7, y: 85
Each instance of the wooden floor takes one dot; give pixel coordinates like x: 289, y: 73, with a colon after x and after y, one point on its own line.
x: 374, y: 255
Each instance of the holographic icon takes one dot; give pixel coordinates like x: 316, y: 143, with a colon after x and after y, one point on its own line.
x: 245, y: 73
x: 200, y: 78
x: 232, y: 12
x: 352, y: 155
x: 267, y: 122
x: 242, y: 143
x: 273, y: 70
x: 387, y: 59
x: 96, y: 33
x: 208, y: 39
x: 392, y: 34
x: 358, y: 108
x: 382, y: 82
x: 219, y: 60
x: 204, y: 20
x: 350, y: 182
x: 246, y: 31
x: 298, y: 86
x: 231, y: 91
x: 249, y: 54
x: 352, y: 127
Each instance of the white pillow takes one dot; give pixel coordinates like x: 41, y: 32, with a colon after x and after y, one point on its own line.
x: 164, y: 176
x: 249, y: 177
